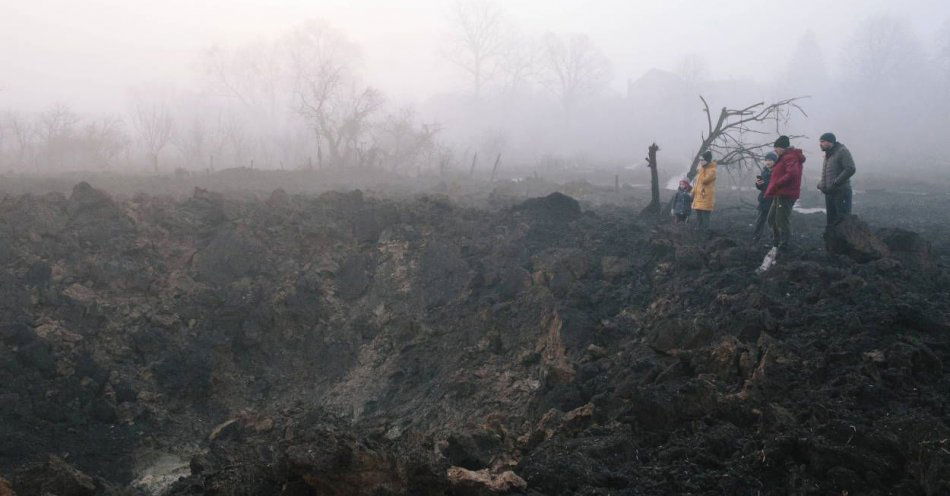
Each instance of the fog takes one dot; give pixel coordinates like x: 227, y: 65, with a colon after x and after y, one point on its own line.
x: 421, y: 87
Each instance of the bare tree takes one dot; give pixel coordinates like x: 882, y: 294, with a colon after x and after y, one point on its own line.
x: 807, y: 70
x: 103, y: 141
x: 23, y: 133
x: 574, y: 67
x: 235, y: 137
x: 192, y: 141
x: 884, y: 52
x: 252, y: 74
x: 328, y: 92
x: 56, y: 131
x: 153, y: 121
x: 739, y: 135
x: 401, y: 142
x: 518, y: 63
x: 479, y: 40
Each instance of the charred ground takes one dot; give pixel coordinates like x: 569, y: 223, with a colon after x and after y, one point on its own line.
x: 351, y: 343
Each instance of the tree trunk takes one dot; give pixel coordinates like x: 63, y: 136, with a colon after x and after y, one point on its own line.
x: 494, y: 169
x: 654, y: 207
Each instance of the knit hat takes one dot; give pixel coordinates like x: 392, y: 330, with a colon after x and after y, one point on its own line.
x: 782, y: 142
x: 707, y: 156
x: 771, y: 156
x: 829, y: 137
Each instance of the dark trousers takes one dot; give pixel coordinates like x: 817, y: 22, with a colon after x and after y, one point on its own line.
x: 761, y: 219
x: 837, y: 206
x: 780, y: 220
x: 702, y: 218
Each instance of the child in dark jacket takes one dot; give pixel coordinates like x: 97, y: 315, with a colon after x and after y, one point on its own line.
x: 761, y: 184
x: 682, y: 202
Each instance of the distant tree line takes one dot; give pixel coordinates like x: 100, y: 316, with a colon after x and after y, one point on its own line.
x: 301, y: 100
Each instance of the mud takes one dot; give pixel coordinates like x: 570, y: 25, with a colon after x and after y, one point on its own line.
x: 355, y: 343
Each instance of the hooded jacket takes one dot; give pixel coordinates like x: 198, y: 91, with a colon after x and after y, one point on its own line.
x: 786, y: 181
x: 704, y: 188
x: 837, y: 170
x: 681, y: 202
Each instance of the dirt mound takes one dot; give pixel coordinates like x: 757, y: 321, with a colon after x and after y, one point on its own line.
x: 346, y: 344
x: 853, y: 238
x: 908, y: 247
x: 554, y: 207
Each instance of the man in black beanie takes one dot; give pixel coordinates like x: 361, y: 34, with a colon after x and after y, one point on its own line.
x: 835, y: 181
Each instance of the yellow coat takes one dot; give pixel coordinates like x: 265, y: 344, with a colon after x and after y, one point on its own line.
x: 704, y: 189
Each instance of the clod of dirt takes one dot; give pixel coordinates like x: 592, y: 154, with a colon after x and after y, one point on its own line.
x: 484, y: 482
x: 5, y: 489
x: 909, y: 247
x: 554, y: 207
x: 853, y: 238
x: 54, y: 476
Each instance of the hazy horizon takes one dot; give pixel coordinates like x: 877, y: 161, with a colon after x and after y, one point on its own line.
x: 88, y: 54
x: 115, y: 85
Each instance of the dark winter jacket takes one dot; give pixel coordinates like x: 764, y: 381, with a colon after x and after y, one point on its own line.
x: 766, y: 176
x: 682, y: 203
x: 837, y: 170
x: 786, y: 181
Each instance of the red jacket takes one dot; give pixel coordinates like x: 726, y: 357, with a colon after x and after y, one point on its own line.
x: 786, y: 179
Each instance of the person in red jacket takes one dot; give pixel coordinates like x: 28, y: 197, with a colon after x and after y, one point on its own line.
x: 784, y: 189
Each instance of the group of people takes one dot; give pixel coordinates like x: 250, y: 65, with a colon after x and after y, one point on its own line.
x: 779, y: 185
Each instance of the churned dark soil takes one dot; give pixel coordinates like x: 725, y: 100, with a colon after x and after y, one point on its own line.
x: 351, y: 343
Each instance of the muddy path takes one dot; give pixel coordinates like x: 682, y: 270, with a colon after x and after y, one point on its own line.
x: 349, y: 343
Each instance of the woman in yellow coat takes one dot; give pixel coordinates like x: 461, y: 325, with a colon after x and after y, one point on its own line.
x: 704, y: 190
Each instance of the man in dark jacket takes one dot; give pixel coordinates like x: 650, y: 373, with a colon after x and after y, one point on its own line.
x: 784, y: 189
x: 761, y: 183
x: 835, y: 181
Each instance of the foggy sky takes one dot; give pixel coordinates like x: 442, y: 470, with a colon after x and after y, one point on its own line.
x: 88, y: 54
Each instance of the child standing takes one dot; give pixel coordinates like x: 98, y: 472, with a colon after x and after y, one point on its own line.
x: 682, y: 202
x: 761, y: 184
